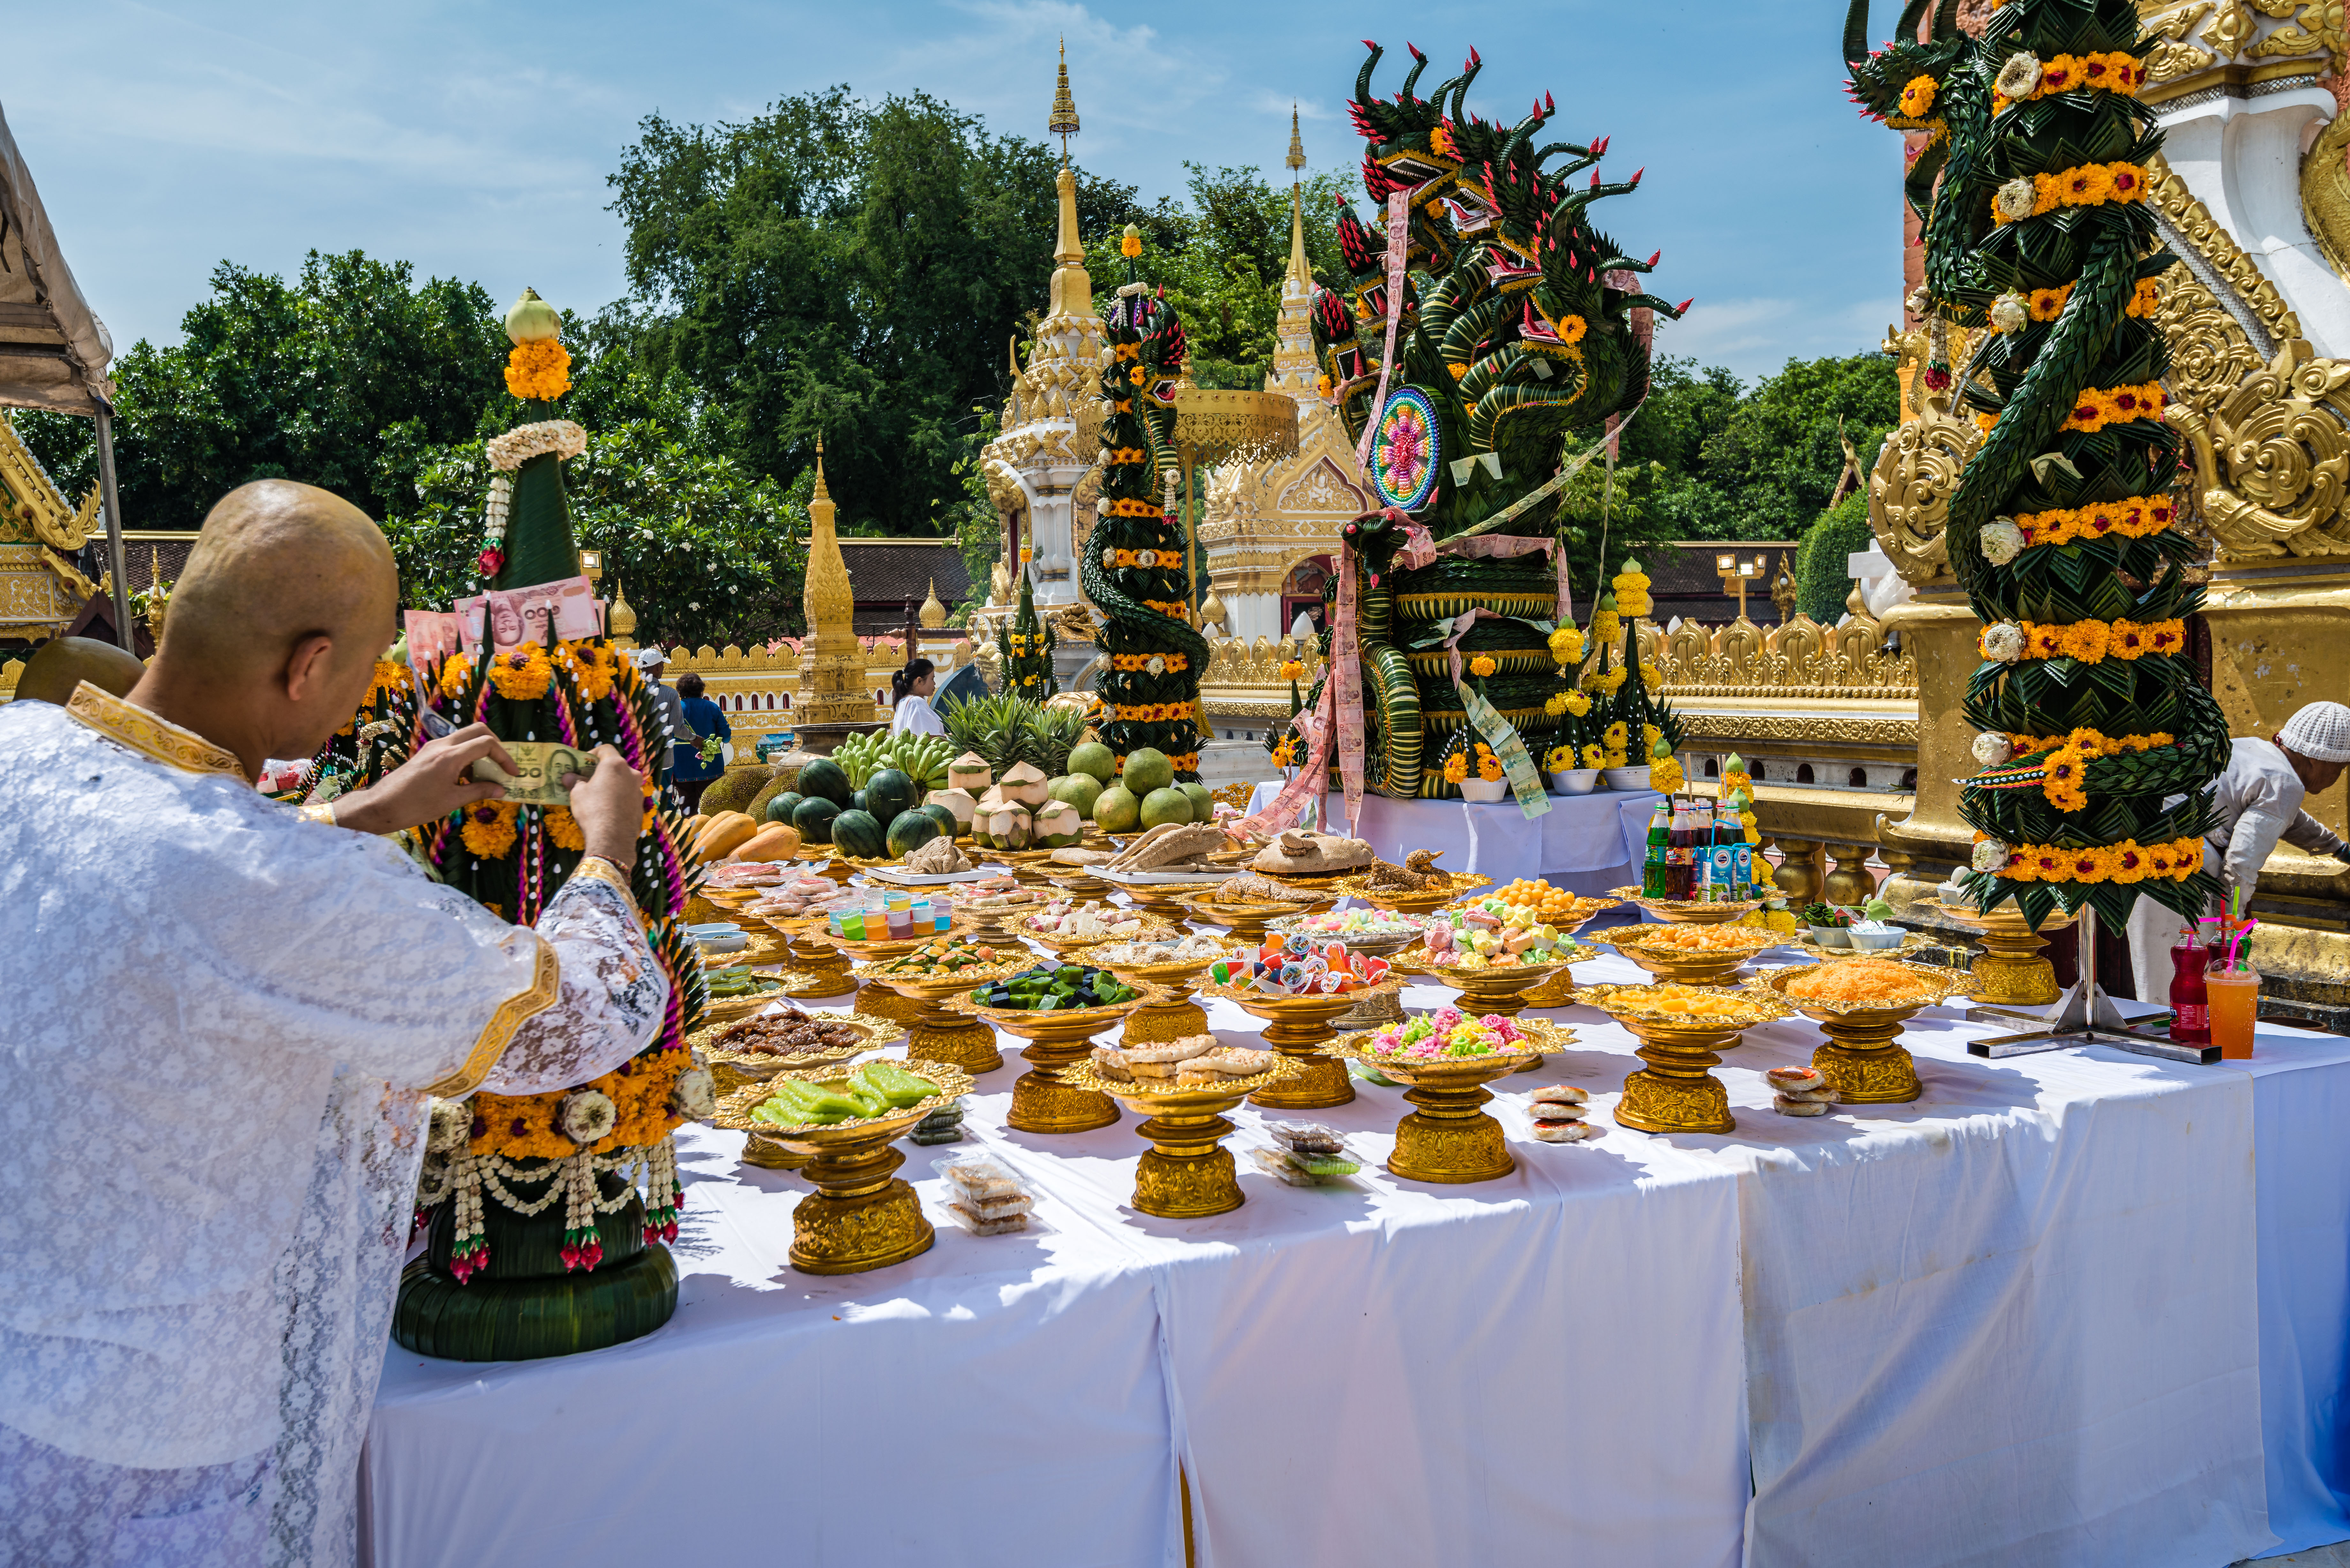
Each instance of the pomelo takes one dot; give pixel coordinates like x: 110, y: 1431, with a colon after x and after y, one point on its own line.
x: 1146, y: 769
x: 1093, y: 759
x: 1203, y: 804
x: 1117, y: 811
x: 1165, y: 806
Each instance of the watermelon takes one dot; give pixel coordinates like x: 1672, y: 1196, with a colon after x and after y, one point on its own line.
x: 909, y: 831
x: 856, y: 802
x: 889, y: 793
x: 826, y: 778
x: 780, y: 807
x: 814, y: 818
x: 858, y: 834
x: 944, y: 814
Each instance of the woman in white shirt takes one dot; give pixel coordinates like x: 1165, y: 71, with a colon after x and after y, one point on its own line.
x: 909, y: 694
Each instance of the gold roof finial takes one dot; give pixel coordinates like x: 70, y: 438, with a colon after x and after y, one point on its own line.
x: 1296, y: 142
x: 621, y: 619
x: 1300, y: 278
x: 933, y: 613
x: 1064, y: 123
x: 821, y: 494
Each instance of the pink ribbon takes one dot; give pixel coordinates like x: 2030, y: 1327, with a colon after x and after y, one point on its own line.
x: 1460, y: 625
x: 1398, y: 247
x: 1290, y: 803
x: 1348, y: 672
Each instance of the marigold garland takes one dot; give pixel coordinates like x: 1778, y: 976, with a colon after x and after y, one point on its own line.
x: 593, y: 667
x: 2090, y: 641
x: 1456, y: 768
x: 1481, y: 666
x: 2090, y: 742
x: 523, y: 1126
x: 525, y: 672
x: 1593, y: 757
x: 563, y: 829
x: 456, y: 674
x: 2137, y: 517
x: 2106, y: 71
x: 2088, y: 185
x: 2096, y: 407
x: 539, y: 371
x: 489, y: 830
x: 1605, y: 627
x: 2128, y: 861
x: 1143, y: 662
x: 1917, y: 97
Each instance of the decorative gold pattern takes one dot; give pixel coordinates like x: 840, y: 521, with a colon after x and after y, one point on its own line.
x: 2008, y: 972
x: 1186, y: 1174
x: 1451, y: 1139
x: 158, y: 739
x: 1909, y: 492
x: 545, y: 985
x: 2218, y: 248
x: 1861, y: 1061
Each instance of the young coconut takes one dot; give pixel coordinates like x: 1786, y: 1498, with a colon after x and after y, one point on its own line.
x: 1025, y: 783
x: 957, y: 801
x: 1059, y: 823
x: 969, y: 771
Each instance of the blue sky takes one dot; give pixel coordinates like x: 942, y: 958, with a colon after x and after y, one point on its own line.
x: 473, y: 139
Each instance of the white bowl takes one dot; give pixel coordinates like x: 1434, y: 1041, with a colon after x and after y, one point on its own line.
x: 1835, y: 936
x: 1576, y: 781
x: 1484, y: 790
x: 1626, y: 778
x: 1876, y: 942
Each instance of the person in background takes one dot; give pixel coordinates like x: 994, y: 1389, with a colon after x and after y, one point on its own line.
x: 63, y: 663
x: 2255, y: 803
x: 909, y: 699
x: 650, y: 661
x: 703, y: 719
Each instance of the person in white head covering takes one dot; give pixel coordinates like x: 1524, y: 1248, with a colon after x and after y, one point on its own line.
x: 2254, y: 803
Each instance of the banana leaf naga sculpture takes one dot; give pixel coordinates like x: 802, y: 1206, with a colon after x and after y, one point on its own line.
x: 1484, y: 323
x: 2096, y: 733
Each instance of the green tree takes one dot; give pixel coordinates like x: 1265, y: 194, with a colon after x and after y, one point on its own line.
x: 850, y: 268
x: 1821, y: 583
x: 1775, y: 461
x: 294, y: 381
x: 1224, y: 257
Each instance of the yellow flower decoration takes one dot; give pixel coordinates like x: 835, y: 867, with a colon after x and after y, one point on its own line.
x: 1294, y: 669
x: 1480, y: 665
x: 525, y: 672
x: 1605, y: 627
x: 1456, y: 768
x: 1557, y: 705
x: 1593, y: 757
x: 2062, y: 779
x: 1566, y: 646
x: 562, y: 829
x: 1652, y: 678
x: 456, y: 674
x: 1559, y: 760
x: 1577, y: 704
x: 538, y: 370
x: 593, y: 669
x: 1489, y: 766
x: 1617, y: 735
x: 489, y: 830
x: 1917, y: 97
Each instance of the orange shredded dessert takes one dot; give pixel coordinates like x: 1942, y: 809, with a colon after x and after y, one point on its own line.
x: 1860, y: 980
x: 1688, y: 1001
x: 1709, y: 938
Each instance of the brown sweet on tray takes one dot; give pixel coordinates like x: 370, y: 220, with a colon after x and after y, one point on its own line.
x: 1418, y: 873
x: 784, y: 1034
x: 1861, y: 980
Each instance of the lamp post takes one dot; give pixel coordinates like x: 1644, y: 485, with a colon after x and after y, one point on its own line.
x: 1736, y: 573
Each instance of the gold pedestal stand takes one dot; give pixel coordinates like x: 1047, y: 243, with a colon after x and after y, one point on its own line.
x: 1676, y: 967
x: 1246, y: 922
x: 936, y: 1033
x: 1414, y: 900
x: 810, y: 968
x: 1043, y: 1099
x: 1177, y: 1018
x: 730, y: 1070
x: 1186, y: 1173
x: 1503, y: 990
x: 828, y: 862
x: 1861, y: 1061
x: 1451, y: 1139
x: 1676, y: 1092
x: 1298, y: 1027
x: 2008, y: 972
x: 1690, y: 911
x: 861, y: 1216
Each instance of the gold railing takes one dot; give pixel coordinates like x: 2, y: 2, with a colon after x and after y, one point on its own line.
x: 1242, y: 681
x: 1799, y: 659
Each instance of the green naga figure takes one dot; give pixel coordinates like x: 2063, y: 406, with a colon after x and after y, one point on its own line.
x: 2096, y: 735
x: 1132, y: 568
x: 1518, y: 326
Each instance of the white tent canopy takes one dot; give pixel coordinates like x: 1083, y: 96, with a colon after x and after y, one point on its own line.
x: 54, y: 350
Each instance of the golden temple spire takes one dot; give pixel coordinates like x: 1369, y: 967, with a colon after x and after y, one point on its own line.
x: 821, y: 494
x: 832, y: 673
x: 1301, y: 273
x: 1296, y: 159
x: 1072, y: 287
x: 1064, y: 123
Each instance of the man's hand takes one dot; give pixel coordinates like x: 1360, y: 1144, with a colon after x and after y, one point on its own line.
x: 428, y: 786
x: 609, y: 806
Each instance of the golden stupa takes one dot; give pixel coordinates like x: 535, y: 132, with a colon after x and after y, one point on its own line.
x: 832, y: 665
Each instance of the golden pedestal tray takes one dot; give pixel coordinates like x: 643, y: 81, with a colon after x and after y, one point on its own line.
x: 729, y: 1070
x: 1314, y: 894
x: 1862, y: 1061
x: 727, y: 1008
x: 1377, y: 1008
x: 1186, y: 1173
x: 1689, y: 909
x: 1678, y: 1092
x: 829, y: 861
x: 1414, y: 900
x: 1042, y: 1100
x: 1679, y: 966
x: 1027, y: 865
x: 1558, y: 990
x: 1298, y: 1027
x: 809, y: 969
x: 879, y: 1002
x: 1245, y: 921
x: 1501, y: 990
x: 2008, y: 972
x: 1804, y: 942
x: 1075, y: 881
x: 936, y: 1033
x: 1451, y: 1139
x: 861, y: 1216
x: 1178, y: 1017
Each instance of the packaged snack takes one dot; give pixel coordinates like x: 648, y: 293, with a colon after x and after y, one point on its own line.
x: 980, y: 1226
x: 1566, y: 1132
x: 1305, y: 1136
x: 1275, y: 1162
x: 1787, y: 1106
x: 999, y: 1208
x: 1792, y: 1080
x: 1561, y: 1095
x: 1316, y: 1162
x: 977, y: 1177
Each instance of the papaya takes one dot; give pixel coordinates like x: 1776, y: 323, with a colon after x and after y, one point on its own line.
x: 776, y: 841
x: 727, y: 832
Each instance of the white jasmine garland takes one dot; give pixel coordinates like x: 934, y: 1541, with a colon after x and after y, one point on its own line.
x: 2003, y: 642
x: 519, y: 445
x: 2016, y: 199
x: 586, y: 1115
x: 2002, y: 541
x: 1990, y: 855
x: 2010, y: 313
x: 2019, y: 78
x: 1991, y: 749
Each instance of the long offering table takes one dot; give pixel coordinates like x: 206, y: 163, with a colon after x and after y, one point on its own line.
x: 2046, y: 1313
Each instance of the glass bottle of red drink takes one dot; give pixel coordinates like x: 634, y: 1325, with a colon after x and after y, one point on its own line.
x: 2190, y: 1003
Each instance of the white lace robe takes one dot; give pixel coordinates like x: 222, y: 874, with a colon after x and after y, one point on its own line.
x: 221, y: 1024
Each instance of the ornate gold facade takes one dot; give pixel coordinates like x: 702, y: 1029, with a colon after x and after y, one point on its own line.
x: 41, y: 590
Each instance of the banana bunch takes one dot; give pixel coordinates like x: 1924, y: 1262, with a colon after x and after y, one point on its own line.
x: 923, y: 758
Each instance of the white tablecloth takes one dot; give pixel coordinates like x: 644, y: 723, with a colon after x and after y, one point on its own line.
x: 1585, y: 843
x: 2018, y: 1321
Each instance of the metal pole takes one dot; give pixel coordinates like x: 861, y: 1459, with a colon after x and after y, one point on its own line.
x: 125, y: 632
x: 1191, y: 582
